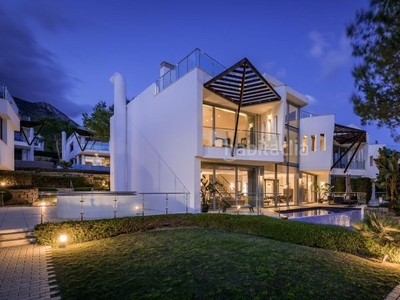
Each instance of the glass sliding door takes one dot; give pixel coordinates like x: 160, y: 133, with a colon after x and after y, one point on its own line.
x: 236, y: 186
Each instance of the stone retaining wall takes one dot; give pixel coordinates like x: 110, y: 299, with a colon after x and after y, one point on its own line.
x: 23, y: 196
x: 379, y: 211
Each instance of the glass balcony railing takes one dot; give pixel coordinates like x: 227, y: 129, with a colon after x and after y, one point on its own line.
x: 5, y: 94
x: 306, y: 114
x: 196, y: 59
x: 354, y: 165
x: 98, y: 146
x: 247, y: 139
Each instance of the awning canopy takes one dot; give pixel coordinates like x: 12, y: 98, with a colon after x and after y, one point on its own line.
x: 347, y: 135
x: 242, y: 84
x: 83, y: 133
x: 344, y: 135
x: 30, y: 124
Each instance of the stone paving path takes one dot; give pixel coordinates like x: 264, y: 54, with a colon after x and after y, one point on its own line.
x: 26, y: 272
x: 395, y: 294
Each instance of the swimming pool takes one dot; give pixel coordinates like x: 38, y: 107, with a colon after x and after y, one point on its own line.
x: 325, y: 215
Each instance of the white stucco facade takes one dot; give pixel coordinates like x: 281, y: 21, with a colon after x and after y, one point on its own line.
x: 10, y: 122
x: 178, y: 132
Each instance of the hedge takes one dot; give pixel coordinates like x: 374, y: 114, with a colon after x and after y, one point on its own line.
x: 319, y: 236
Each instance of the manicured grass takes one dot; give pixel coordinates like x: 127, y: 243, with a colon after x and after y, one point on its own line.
x: 198, y: 263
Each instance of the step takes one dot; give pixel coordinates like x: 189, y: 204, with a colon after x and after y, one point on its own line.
x: 17, y: 237
x: 13, y: 243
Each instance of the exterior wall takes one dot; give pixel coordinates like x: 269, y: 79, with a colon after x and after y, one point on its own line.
x: 164, y: 139
x: 372, y: 151
x: 317, y: 160
x: 10, y: 123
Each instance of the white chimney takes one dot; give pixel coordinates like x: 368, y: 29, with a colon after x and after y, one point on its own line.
x: 118, y: 138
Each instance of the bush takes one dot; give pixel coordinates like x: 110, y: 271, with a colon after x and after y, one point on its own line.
x: 7, y: 196
x: 320, y: 236
x: 83, y: 189
x: 384, y: 231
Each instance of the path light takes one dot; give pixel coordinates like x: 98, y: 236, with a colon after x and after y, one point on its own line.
x: 41, y: 212
x: 238, y: 208
x: 137, y: 210
x: 63, y: 240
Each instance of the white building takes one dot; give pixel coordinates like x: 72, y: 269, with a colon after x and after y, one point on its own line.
x: 85, y: 152
x: 28, y: 140
x: 9, y: 122
x: 202, y: 121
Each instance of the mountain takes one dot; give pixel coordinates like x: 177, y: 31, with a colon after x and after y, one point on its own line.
x: 35, y: 110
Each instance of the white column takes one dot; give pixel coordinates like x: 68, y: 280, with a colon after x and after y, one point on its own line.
x: 64, y: 146
x: 118, y: 137
x: 31, y: 153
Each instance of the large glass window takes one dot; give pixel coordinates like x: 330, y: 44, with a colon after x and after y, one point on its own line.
x: 287, y: 184
x: 235, y: 186
x: 219, y: 128
x: 322, y: 146
x: 306, y: 190
x: 304, y: 142
x: 292, y: 116
x: 313, y: 142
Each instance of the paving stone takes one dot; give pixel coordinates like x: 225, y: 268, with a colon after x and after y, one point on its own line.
x: 25, y: 274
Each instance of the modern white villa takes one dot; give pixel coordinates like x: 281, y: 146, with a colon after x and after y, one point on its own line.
x: 28, y: 140
x: 84, y: 151
x: 9, y: 122
x: 204, y: 122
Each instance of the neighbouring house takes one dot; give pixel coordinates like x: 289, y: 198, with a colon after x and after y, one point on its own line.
x: 204, y: 123
x: 28, y: 140
x: 9, y: 122
x: 84, y: 151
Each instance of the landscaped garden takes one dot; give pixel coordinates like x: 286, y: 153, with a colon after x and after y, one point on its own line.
x: 215, y: 257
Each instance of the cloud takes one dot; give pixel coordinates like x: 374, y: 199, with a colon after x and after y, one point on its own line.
x: 319, y: 44
x: 29, y: 70
x: 311, y: 99
x: 273, y: 69
x: 330, y: 58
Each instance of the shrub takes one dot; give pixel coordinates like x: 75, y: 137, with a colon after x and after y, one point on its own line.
x: 320, y: 236
x: 7, y: 196
x: 384, y: 231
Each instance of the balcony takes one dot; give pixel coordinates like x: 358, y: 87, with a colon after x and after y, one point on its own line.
x: 5, y: 94
x: 98, y: 146
x: 196, y: 59
x: 245, y: 139
x: 354, y: 165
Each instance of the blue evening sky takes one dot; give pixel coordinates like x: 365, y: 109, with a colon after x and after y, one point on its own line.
x: 64, y: 52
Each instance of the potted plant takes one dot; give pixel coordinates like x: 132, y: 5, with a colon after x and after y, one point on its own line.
x: 324, y: 191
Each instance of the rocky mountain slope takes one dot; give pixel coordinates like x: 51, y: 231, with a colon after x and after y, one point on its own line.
x: 35, y: 110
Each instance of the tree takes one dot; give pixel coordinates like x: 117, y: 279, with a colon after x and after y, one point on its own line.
x: 98, y: 122
x: 375, y: 38
x: 51, y: 132
x: 388, y: 177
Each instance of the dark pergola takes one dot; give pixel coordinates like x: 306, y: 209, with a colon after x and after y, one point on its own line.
x: 30, y: 124
x: 243, y: 85
x: 87, y: 134
x: 344, y: 135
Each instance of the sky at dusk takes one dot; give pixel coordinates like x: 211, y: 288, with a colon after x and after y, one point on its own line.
x: 64, y: 52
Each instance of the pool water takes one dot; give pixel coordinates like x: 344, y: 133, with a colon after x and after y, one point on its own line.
x: 325, y: 215
x: 318, y: 211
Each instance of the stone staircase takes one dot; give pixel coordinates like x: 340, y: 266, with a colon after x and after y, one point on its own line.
x: 17, y: 237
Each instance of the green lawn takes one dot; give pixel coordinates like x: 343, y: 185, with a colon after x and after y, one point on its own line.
x: 214, y: 264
